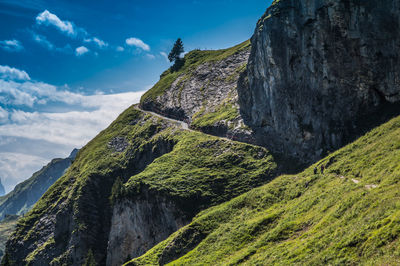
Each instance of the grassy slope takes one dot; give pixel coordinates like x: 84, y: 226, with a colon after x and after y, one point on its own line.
x: 305, y: 218
x: 201, y: 170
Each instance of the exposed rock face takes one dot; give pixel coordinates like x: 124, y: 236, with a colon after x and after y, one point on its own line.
x: 317, y: 70
x: 27, y: 193
x: 200, y: 94
x: 207, y: 86
x: 138, y: 225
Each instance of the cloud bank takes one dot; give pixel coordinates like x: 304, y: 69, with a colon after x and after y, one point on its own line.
x: 30, y: 139
x: 12, y: 73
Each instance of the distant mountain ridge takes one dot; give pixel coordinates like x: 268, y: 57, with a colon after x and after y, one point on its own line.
x: 26, y: 194
x: 2, y: 190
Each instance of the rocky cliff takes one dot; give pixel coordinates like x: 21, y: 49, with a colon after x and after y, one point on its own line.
x: 22, y: 198
x: 204, y: 92
x: 320, y: 72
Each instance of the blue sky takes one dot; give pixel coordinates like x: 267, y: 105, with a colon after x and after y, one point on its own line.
x: 68, y: 68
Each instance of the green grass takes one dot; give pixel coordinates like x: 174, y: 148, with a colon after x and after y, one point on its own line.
x: 226, y: 111
x: 304, y: 219
x: 202, y: 170
x: 192, y: 60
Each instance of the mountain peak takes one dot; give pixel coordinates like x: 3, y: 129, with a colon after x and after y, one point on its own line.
x: 73, y: 154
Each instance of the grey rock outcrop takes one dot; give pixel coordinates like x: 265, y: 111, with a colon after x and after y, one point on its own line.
x: 204, y: 90
x: 319, y: 71
x: 138, y: 225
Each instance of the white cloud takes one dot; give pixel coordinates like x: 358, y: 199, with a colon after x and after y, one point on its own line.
x: 29, y: 93
x: 48, y: 18
x: 81, y: 50
x: 137, y: 43
x: 120, y: 49
x: 150, y: 56
x: 97, y: 41
x: 15, y: 167
x: 163, y: 54
x: 43, y: 41
x: 11, y: 45
x: 12, y: 73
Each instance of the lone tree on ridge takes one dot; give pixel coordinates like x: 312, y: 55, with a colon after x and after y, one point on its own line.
x: 175, y: 55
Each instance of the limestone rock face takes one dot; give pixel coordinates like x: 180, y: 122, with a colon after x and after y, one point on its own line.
x: 208, y: 91
x: 318, y: 70
x: 137, y: 226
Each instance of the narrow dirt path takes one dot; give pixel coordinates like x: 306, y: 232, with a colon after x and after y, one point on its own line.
x: 183, y: 124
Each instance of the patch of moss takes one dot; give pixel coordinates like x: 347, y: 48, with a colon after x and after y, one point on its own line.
x: 226, y: 111
x: 42, y: 247
x: 349, y: 215
x: 192, y: 60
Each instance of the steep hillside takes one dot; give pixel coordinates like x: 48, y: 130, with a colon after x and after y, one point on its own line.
x: 27, y: 193
x: 347, y: 216
x: 157, y: 176
x: 320, y: 73
x: 7, y: 226
x: 204, y: 92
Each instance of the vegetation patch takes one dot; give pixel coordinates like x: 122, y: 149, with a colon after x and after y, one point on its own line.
x: 349, y: 215
x: 226, y: 111
x: 202, y: 170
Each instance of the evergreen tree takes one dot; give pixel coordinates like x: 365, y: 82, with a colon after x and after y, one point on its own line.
x: 175, y: 55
